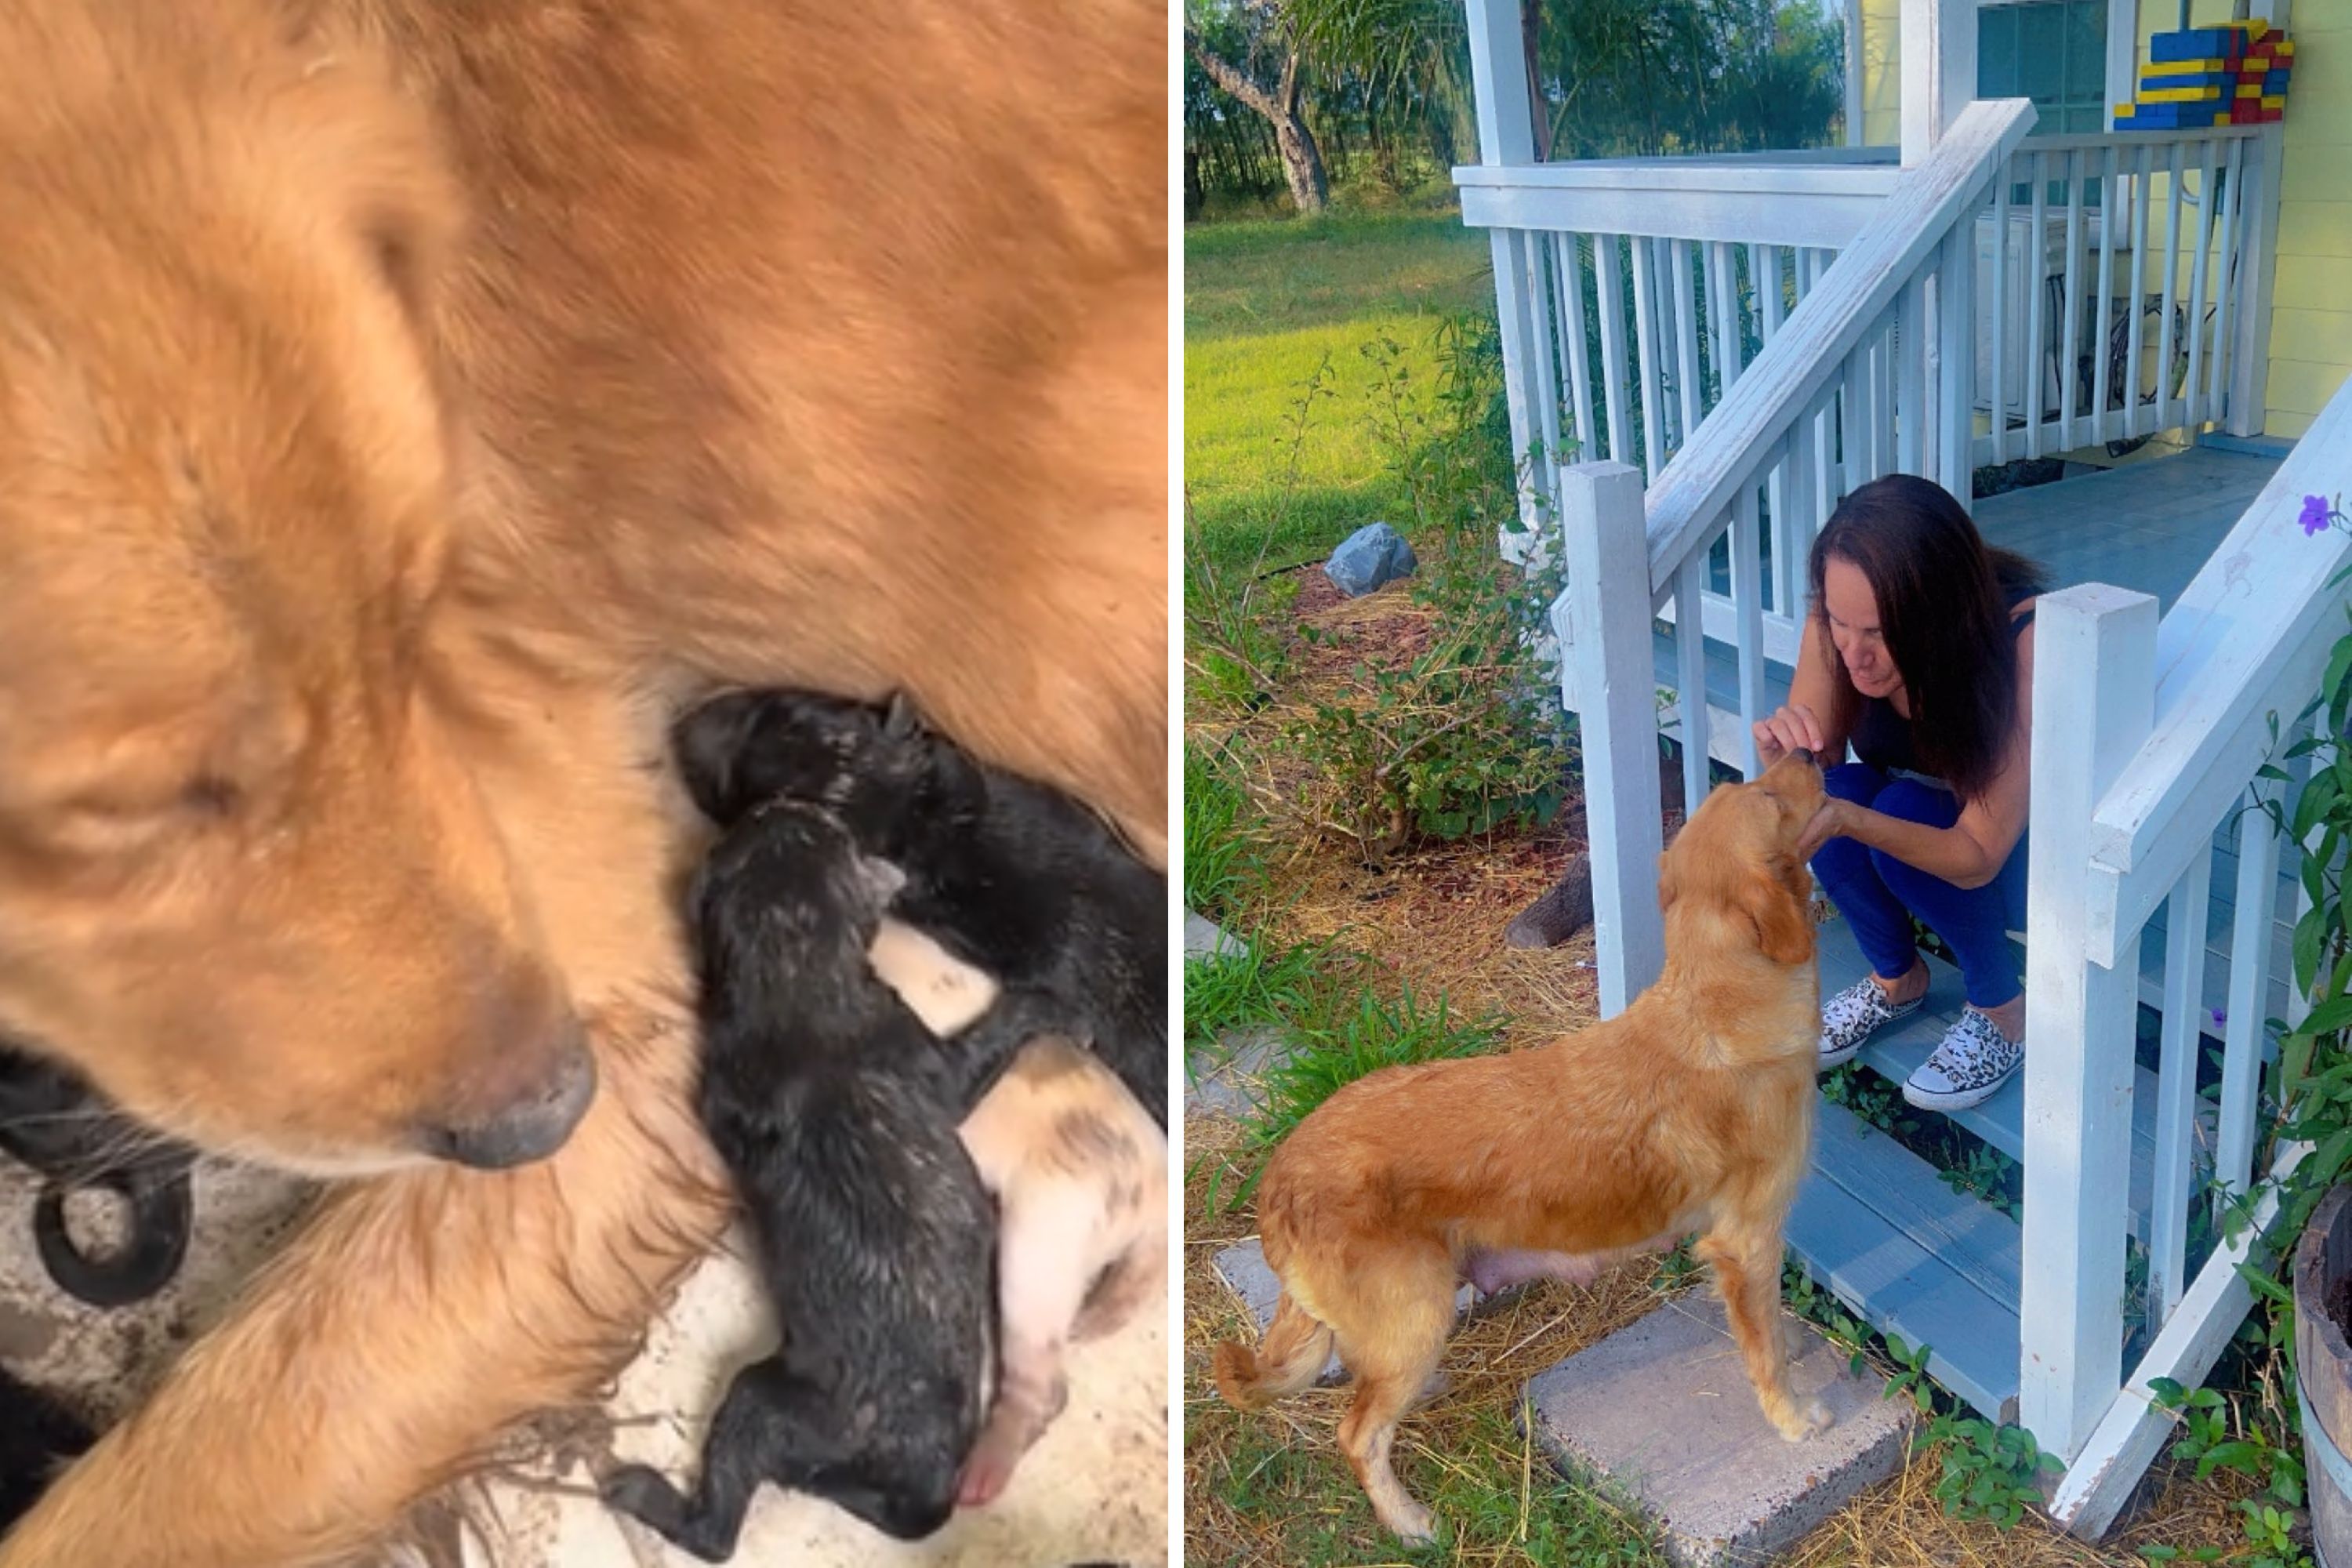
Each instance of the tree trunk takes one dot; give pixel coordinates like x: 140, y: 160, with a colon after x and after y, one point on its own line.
x: 1530, y: 45
x: 1302, y: 161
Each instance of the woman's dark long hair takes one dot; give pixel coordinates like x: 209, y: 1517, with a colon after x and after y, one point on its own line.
x: 1944, y: 596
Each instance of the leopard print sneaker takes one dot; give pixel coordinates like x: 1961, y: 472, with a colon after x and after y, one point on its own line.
x: 1975, y: 1059
x: 1855, y: 1014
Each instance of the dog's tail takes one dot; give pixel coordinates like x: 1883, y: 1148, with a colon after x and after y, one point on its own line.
x: 1294, y: 1348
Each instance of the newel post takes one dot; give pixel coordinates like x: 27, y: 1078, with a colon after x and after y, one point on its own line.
x: 2094, y: 707
x: 1615, y: 682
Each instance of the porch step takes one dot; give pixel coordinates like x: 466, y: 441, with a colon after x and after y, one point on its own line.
x: 1877, y: 1226
x: 1896, y: 1052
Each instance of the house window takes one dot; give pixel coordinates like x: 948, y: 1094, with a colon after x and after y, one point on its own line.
x: 2052, y: 51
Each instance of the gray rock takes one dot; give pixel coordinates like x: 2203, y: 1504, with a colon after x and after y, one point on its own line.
x: 1372, y: 555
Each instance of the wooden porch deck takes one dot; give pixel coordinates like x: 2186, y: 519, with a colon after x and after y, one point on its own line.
x: 2148, y: 525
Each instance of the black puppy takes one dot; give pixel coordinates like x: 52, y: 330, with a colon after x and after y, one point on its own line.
x: 836, y: 1109
x: 1015, y: 877
x: 37, y: 1435
x: 57, y: 1124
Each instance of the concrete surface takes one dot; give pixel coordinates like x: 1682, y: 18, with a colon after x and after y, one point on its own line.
x: 1662, y: 1413
x: 1094, y: 1489
x: 1202, y: 938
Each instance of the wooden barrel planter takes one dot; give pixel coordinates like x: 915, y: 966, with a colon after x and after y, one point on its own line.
x: 2323, y: 1266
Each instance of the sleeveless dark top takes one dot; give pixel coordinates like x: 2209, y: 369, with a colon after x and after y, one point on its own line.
x: 1882, y: 736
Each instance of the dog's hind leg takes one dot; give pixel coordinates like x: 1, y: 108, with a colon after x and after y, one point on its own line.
x: 1746, y: 1266
x: 1392, y: 1347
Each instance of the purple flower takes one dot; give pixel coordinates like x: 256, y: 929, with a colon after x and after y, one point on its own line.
x: 2314, y: 515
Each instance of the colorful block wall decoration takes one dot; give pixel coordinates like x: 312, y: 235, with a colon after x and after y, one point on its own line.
x: 2235, y: 73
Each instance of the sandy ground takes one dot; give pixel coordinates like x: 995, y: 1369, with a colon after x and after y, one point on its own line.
x: 1095, y: 1489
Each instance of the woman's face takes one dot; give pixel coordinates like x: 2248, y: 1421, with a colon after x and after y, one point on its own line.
x: 1852, y: 612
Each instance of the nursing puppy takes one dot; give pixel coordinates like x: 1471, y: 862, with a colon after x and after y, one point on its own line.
x: 835, y: 1109
x: 53, y: 1122
x: 1080, y: 1175
x: 1691, y: 1111
x: 38, y: 1436
x: 1014, y: 877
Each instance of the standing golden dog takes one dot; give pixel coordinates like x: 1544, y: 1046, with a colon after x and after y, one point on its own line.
x: 1691, y: 1111
x: 404, y: 406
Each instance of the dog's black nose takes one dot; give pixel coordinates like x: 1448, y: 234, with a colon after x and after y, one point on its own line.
x: 532, y: 1125
x: 1804, y: 754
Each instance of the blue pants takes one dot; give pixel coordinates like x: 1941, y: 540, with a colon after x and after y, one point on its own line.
x: 1878, y: 894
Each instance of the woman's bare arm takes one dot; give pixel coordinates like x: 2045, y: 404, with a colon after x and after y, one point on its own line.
x: 1804, y: 720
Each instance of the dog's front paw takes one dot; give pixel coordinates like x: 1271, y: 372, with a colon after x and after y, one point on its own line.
x: 1410, y: 1523
x: 1805, y: 1420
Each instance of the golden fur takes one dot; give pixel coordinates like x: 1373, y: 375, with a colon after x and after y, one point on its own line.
x: 404, y: 406
x: 1691, y: 1111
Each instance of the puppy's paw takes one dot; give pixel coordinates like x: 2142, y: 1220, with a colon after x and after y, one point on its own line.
x: 643, y: 1493
x: 984, y: 1477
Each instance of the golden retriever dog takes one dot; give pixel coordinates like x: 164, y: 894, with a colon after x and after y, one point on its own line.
x: 1690, y: 1111
x: 405, y: 407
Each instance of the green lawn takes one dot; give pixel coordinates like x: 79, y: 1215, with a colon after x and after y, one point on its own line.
x: 1265, y: 304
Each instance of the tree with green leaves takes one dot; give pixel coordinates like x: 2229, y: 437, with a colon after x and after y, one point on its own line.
x: 1239, y: 47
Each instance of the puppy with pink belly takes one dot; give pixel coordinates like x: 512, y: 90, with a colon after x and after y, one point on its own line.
x: 1079, y: 1171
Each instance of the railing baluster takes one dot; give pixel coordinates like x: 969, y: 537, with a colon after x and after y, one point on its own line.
x: 2071, y: 347
x: 2103, y: 314
x: 1793, y: 514
x: 1690, y: 676
x: 1748, y: 600
x: 2250, y: 987
x: 2164, y: 410
x: 1686, y: 336
x: 2226, y: 284
x: 1545, y: 361
x: 1764, y: 275
x: 1568, y: 269
x: 1882, y: 375
x: 1645, y: 330
x: 1911, y: 400
x: 1672, y: 431
x: 2037, y: 267
x: 1997, y: 398
x: 1731, y: 343
x: 1854, y: 386
x: 1952, y: 441
x: 2176, y: 1088
x: 2193, y: 403
x: 1608, y: 292
x: 2143, y: 191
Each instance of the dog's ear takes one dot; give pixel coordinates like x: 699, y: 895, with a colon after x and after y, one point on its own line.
x: 1666, y: 881
x: 1784, y: 926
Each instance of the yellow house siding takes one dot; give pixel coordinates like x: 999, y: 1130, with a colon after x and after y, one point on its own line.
x: 2311, y: 324
x: 2311, y: 318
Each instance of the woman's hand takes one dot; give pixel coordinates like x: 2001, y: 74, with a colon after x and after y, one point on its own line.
x: 1787, y: 729
x: 1833, y: 820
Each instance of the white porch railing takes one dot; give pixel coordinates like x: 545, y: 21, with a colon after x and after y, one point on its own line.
x: 2147, y: 737
x: 1625, y: 281
x: 1853, y: 382
x: 2111, y: 269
